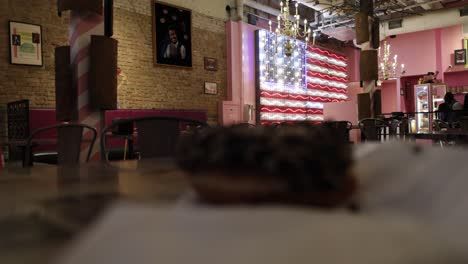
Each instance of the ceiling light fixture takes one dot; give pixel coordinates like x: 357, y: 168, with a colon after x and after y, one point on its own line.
x: 291, y: 27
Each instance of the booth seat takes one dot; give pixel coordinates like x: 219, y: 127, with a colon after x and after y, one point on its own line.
x: 117, y: 143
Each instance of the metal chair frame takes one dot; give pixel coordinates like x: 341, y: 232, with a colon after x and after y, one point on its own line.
x: 28, y: 150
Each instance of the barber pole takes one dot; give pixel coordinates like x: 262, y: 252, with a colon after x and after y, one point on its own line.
x: 82, y: 26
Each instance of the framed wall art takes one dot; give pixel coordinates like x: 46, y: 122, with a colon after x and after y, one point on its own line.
x: 211, y: 64
x: 172, y: 35
x: 25, y: 43
x: 460, y: 56
x: 211, y: 88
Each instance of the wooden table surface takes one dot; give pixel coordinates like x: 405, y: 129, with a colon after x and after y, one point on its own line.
x: 44, y: 207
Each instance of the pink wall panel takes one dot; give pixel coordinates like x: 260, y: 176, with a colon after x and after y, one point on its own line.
x: 389, y: 97
x: 416, y: 50
x: 452, y: 39
x: 353, y: 56
x: 234, y: 61
x: 248, y: 70
x: 241, y: 73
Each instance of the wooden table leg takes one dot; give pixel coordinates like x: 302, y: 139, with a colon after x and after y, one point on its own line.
x: 125, y: 148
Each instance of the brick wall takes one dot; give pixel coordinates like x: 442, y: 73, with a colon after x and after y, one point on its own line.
x: 147, y: 86
x: 34, y: 83
x: 150, y: 86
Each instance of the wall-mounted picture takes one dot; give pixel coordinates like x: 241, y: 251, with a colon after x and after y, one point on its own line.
x: 172, y: 35
x: 211, y: 88
x: 460, y: 56
x: 25, y: 44
x: 211, y: 64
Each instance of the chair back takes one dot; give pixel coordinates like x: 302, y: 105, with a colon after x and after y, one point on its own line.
x: 341, y: 128
x: 17, y: 126
x: 157, y: 136
x: 69, y: 141
x: 18, y: 120
x: 373, y: 129
x: 464, y: 123
x: 440, y: 124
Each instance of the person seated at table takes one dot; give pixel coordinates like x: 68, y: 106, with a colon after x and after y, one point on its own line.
x: 448, y: 107
x: 443, y: 111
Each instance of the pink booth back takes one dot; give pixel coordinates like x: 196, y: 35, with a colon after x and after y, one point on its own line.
x: 39, y: 118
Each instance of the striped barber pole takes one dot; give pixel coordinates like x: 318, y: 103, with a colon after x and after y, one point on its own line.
x: 294, y: 88
x: 82, y: 26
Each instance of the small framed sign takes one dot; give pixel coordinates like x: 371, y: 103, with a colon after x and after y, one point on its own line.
x: 25, y: 44
x: 211, y: 64
x: 211, y: 88
x: 460, y: 56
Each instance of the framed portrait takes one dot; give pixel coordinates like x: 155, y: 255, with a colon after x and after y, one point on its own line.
x: 25, y: 43
x: 460, y: 56
x: 211, y: 88
x: 172, y: 35
x: 211, y: 64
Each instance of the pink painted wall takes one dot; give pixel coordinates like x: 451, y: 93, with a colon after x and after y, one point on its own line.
x: 248, y: 70
x: 241, y: 73
x: 416, y: 50
x: 353, y: 56
x: 427, y: 50
x: 234, y: 61
x: 452, y: 39
x: 390, y: 97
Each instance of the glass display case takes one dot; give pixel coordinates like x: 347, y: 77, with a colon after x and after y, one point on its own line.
x: 428, y: 97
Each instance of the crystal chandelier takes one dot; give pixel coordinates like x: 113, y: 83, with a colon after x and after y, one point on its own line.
x: 387, y: 67
x: 291, y: 27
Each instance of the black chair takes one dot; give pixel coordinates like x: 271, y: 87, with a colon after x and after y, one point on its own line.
x: 69, y: 140
x: 373, y: 129
x: 18, y: 127
x: 157, y: 136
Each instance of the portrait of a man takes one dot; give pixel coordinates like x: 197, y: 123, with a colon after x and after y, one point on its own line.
x: 172, y: 35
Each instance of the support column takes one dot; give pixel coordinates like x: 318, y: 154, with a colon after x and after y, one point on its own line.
x: 367, y: 35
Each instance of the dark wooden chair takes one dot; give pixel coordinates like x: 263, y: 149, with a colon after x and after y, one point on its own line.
x: 156, y: 136
x: 69, y: 141
x: 374, y: 129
